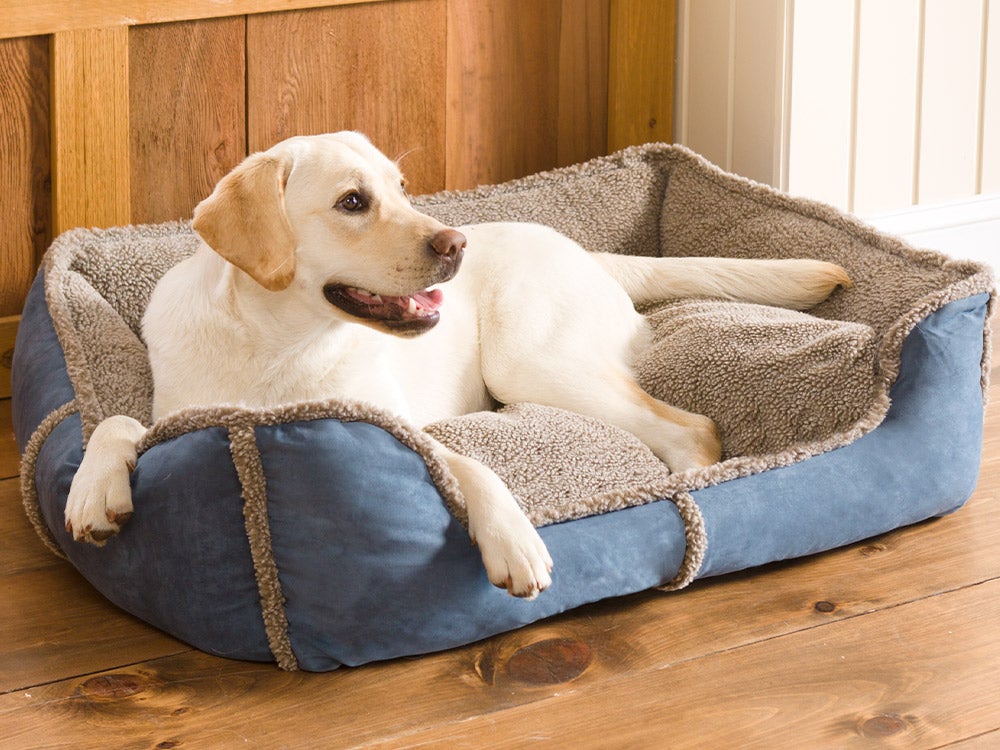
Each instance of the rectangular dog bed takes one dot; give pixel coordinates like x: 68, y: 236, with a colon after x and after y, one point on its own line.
x: 330, y: 533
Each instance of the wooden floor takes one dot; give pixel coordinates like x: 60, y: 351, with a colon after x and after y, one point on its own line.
x: 894, y: 642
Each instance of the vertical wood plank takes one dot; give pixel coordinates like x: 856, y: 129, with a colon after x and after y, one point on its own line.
x: 991, y: 102
x: 583, y: 80
x: 819, y: 145
x: 706, y: 64
x: 187, y: 113
x: 24, y: 165
x: 8, y: 333
x: 378, y: 68
x: 502, y: 89
x: 949, y: 113
x: 90, y: 127
x: 641, y: 74
x: 758, y: 49
x: 887, y: 104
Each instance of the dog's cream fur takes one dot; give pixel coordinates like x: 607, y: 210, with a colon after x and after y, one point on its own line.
x: 279, y: 305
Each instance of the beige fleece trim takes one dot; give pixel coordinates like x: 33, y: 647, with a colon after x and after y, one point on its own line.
x: 249, y: 468
x: 696, y: 542
x: 200, y: 418
x: 29, y: 461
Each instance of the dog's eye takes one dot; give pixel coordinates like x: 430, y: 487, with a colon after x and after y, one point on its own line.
x: 353, y: 202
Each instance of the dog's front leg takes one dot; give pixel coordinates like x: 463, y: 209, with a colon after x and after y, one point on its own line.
x: 100, y: 497
x: 514, y: 555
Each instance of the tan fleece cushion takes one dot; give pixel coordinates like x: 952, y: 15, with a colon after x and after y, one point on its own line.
x: 768, y: 377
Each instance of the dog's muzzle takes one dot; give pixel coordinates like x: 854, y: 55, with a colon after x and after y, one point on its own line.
x: 407, y: 314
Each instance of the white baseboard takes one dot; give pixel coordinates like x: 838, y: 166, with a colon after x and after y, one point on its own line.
x: 967, y: 229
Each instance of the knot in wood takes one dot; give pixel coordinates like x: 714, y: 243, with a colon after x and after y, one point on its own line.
x: 885, y: 725
x: 549, y: 662
x: 111, y: 687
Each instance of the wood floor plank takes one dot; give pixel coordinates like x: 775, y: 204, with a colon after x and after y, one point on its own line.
x: 53, y: 624
x: 10, y: 457
x: 920, y: 676
x: 21, y: 551
x: 63, y: 627
x: 988, y: 741
x: 628, y: 640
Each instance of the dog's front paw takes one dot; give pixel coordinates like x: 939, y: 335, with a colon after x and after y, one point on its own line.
x: 100, y: 497
x: 514, y: 555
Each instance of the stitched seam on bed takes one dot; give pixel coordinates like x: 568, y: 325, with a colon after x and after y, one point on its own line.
x: 250, y: 470
x: 29, y: 461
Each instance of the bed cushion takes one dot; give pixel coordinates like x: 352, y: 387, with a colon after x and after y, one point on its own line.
x: 331, y: 533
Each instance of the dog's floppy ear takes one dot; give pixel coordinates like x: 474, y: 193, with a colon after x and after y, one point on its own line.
x: 244, y: 220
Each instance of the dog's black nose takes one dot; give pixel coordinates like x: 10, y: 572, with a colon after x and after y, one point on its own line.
x: 448, y: 243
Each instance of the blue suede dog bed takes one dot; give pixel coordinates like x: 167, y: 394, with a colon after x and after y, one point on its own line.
x: 330, y: 533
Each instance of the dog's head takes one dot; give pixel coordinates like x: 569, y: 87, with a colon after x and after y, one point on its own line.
x: 328, y: 216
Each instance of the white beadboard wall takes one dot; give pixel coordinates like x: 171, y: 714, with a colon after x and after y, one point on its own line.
x: 870, y: 105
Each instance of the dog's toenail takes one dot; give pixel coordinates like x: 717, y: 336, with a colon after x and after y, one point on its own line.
x: 119, y: 518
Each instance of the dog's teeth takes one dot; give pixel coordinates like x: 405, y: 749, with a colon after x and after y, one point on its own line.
x: 377, y: 299
x: 411, y: 307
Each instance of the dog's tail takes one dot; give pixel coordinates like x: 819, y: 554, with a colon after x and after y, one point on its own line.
x: 797, y: 283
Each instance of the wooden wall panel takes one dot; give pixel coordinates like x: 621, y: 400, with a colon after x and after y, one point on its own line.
x: 820, y: 117
x: 757, y: 89
x: 990, y: 173
x: 24, y: 165
x: 888, y: 82
x: 950, y: 100
x: 187, y: 105
x: 503, y: 89
x: 583, y: 80
x: 641, y: 83
x: 375, y: 68
x: 90, y: 128
x: 704, y: 116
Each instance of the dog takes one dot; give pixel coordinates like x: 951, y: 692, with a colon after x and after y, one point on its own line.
x: 316, y: 278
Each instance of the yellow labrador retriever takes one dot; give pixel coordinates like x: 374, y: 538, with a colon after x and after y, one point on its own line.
x: 317, y: 279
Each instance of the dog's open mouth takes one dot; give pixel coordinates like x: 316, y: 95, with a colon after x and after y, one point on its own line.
x: 411, y: 313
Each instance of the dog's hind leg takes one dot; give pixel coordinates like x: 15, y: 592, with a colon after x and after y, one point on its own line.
x: 681, y: 439
x: 559, y: 331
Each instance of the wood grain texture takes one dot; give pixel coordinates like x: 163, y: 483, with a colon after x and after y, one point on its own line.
x: 583, y: 80
x: 53, y: 623
x: 90, y: 128
x: 8, y: 334
x: 53, y: 16
x: 503, y: 90
x: 10, y: 457
x: 376, y: 68
x: 24, y: 166
x: 867, y: 680
x: 641, y: 80
x: 638, y: 669
x: 187, y: 106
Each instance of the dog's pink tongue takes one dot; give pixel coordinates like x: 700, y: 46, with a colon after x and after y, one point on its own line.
x: 430, y: 299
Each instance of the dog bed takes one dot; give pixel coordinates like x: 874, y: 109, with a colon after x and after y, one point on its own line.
x: 322, y: 534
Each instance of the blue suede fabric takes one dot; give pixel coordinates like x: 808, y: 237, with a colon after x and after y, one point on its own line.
x: 373, y: 566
